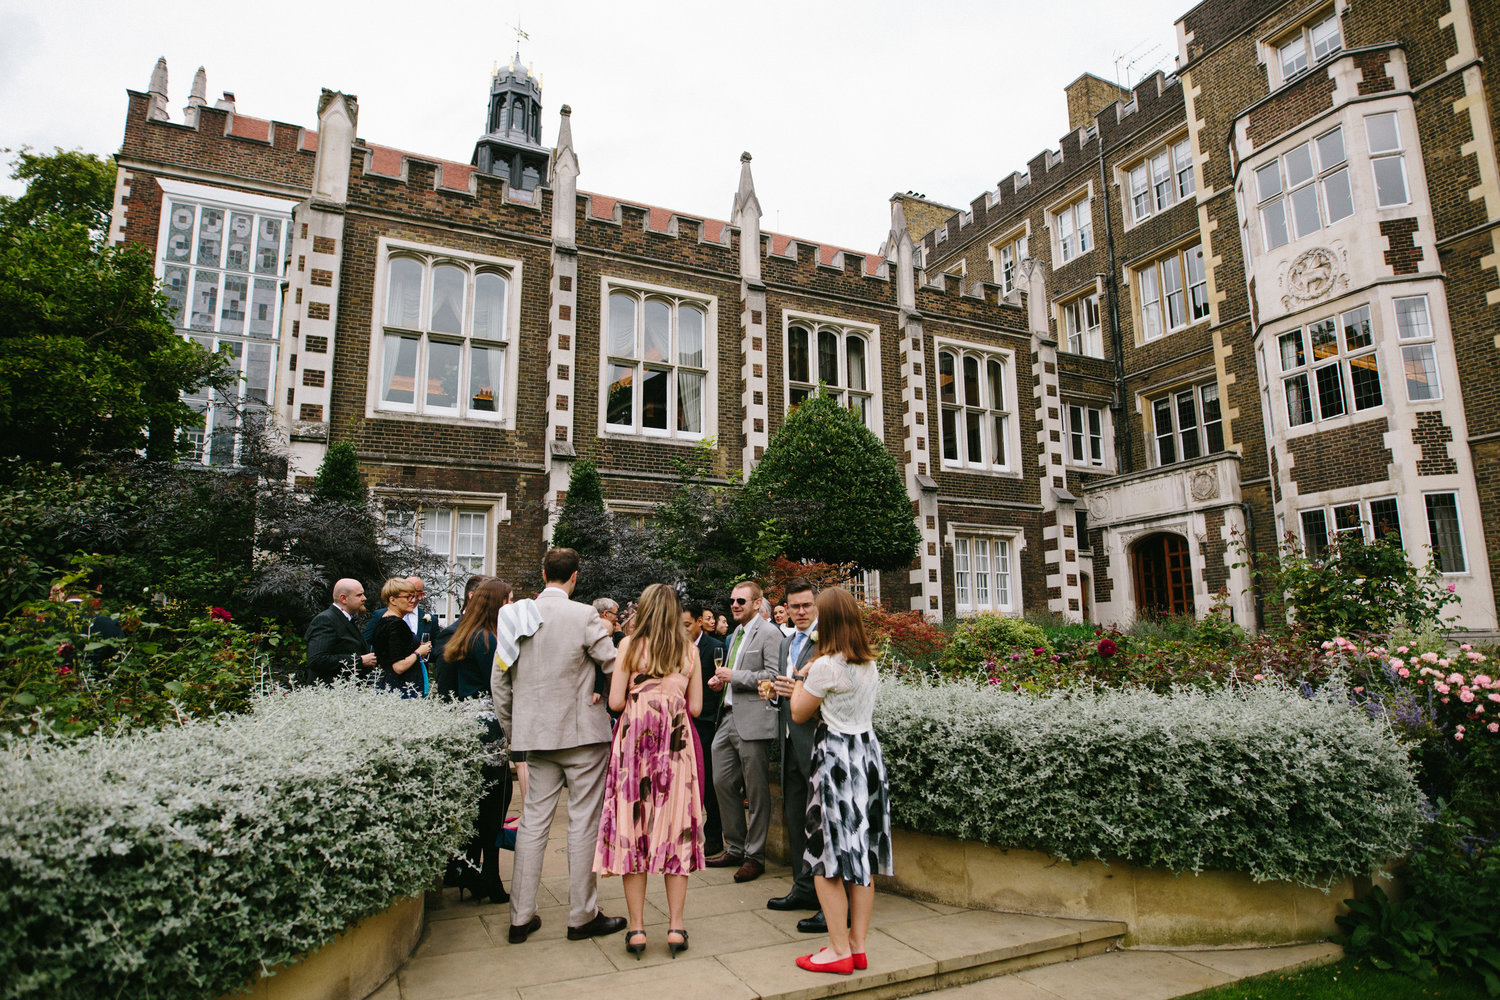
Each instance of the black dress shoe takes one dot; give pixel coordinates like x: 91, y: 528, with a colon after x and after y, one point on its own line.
x: 792, y: 901
x: 597, y: 927
x: 520, y: 932
x: 814, y: 924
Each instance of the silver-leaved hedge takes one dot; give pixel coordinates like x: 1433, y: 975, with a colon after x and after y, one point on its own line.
x: 180, y: 863
x: 1263, y: 780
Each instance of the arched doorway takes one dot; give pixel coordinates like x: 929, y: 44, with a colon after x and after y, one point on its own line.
x: 1163, y: 575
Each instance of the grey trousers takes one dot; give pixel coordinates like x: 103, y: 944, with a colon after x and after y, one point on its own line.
x: 742, y: 771
x: 582, y: 771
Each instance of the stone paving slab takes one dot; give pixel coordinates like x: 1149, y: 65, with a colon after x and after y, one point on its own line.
x: 742, y: 951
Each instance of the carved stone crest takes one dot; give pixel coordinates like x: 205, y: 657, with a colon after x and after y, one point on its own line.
x: 1203, y: 484
x: 1315, y: 275
x: 1098, y: 507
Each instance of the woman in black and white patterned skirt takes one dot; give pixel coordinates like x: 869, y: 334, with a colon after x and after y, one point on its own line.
x: 848, y: 801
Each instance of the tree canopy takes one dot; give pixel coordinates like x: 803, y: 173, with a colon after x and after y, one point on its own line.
x: 833, y: 490
x: 89, y: 360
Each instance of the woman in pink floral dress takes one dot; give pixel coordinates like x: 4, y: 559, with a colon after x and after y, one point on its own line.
x: 653, y: 814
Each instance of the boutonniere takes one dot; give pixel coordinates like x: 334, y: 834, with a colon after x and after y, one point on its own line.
x: 812, y: 636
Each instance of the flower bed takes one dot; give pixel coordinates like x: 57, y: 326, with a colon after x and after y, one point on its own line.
x: 186, y: 862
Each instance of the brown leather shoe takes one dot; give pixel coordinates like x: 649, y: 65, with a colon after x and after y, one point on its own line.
x: 520, y: 932
x: 750, y: 871
x: 725, y: 860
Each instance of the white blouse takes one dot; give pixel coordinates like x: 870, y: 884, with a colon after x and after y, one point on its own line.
x: 848, y: 692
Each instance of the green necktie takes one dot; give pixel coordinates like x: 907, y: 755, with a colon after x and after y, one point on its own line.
x: 734, y: 650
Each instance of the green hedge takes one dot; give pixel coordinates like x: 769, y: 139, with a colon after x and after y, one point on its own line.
x: 1259, y: 780
x: 182, y: 862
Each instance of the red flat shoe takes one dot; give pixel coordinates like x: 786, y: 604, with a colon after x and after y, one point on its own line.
x: 860, y: 962
x: 842, y: 966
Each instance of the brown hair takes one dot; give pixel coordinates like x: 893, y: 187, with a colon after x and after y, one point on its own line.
x: 840, y: 627
x: 558, y: 565
x: 479, y: 616
x: 754, y: 588
x: 659, y: 631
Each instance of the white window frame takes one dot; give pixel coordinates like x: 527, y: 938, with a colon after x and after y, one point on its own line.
x: 865, y: 399
x: 1086, y: 429
x: 1414, y: 330
x: 1006, y: 255
x: 997, y: 423
x: 1311, y: 176
x: 1173, y: 282
x: 986, y: 570
x: 1310, y: 364
x: 674, y: 365
x: 1346, y: 517
x: 1306, y: 47
x: 468, y: 408
x: 1201, y: 437
x: 1386, y: 159
x: 446, y: 596
x: 1080, y: 335
x: 1072, y: 226
x: 1161, y: 179
x: 255, y: 355
x: 1458, y: 523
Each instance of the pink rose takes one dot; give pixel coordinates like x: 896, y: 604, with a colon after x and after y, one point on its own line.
x: 1493, y: 727
x: 1452, y: 589
x: 1404, y: 672
x: 1466, y: 696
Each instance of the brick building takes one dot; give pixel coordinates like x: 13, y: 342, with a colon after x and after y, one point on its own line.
x: 1183, y: 330
x: 1264, y: 275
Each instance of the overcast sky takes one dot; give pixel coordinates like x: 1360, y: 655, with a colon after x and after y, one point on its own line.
x: 841, y: 104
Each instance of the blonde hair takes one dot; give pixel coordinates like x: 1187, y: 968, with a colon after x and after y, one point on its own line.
x: 658, y: 630
x: 841, y: 629
x: 396, y: 586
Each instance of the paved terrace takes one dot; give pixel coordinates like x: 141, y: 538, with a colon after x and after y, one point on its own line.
x: 742, y: 951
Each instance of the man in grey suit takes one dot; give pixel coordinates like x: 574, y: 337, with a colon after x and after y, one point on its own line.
x: 546, y: 703
x: 796, y: 743
x: 747, y: 728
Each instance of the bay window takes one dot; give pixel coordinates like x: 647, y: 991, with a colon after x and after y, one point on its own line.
x: 1329, y: 368
x: 1304, y: 190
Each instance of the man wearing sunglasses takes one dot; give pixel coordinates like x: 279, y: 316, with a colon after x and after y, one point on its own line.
x: 747, y: 729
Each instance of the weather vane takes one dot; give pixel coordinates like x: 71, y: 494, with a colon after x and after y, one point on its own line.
x: 520, y: 35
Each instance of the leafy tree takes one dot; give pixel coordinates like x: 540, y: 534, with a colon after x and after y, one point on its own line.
x: 707, y: 533
x: 89, y: 360
x: 833, y: 489
x: 338, y: 478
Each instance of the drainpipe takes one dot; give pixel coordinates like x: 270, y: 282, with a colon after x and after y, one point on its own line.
x: 1116, y: 337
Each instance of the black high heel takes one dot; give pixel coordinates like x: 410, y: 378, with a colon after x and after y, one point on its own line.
x: 675, y: 946
x: 636, y: 949
x: 492, y: 887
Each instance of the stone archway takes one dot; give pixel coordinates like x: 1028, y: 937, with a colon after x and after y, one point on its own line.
x: 1163, y: 570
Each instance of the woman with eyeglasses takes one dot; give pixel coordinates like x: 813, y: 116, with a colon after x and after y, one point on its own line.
x: 397, y: 652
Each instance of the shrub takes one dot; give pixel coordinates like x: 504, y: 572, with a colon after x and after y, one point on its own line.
x: 1447, y: 922
x: 59, y: 672
x: 905, y: 635
x: 182, y: 862
x: 989, y: 638
x: 1260, y: 780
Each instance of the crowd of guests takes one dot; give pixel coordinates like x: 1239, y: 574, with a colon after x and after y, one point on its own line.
x: 661, y: 727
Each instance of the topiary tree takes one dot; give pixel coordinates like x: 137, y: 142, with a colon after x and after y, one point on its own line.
x: 834, y: 490
x: 338, y: 477
x: 584, y: 524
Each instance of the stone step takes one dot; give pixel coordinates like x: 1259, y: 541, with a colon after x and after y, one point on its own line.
x: 739, y: 949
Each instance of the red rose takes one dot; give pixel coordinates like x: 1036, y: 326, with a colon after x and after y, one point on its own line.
x: 221, y: 614
x: 1107, y: 648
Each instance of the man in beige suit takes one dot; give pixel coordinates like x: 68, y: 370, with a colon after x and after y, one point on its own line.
x: 546, y: 703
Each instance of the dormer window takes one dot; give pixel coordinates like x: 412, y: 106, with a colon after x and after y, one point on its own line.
x: 1310, y: 44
